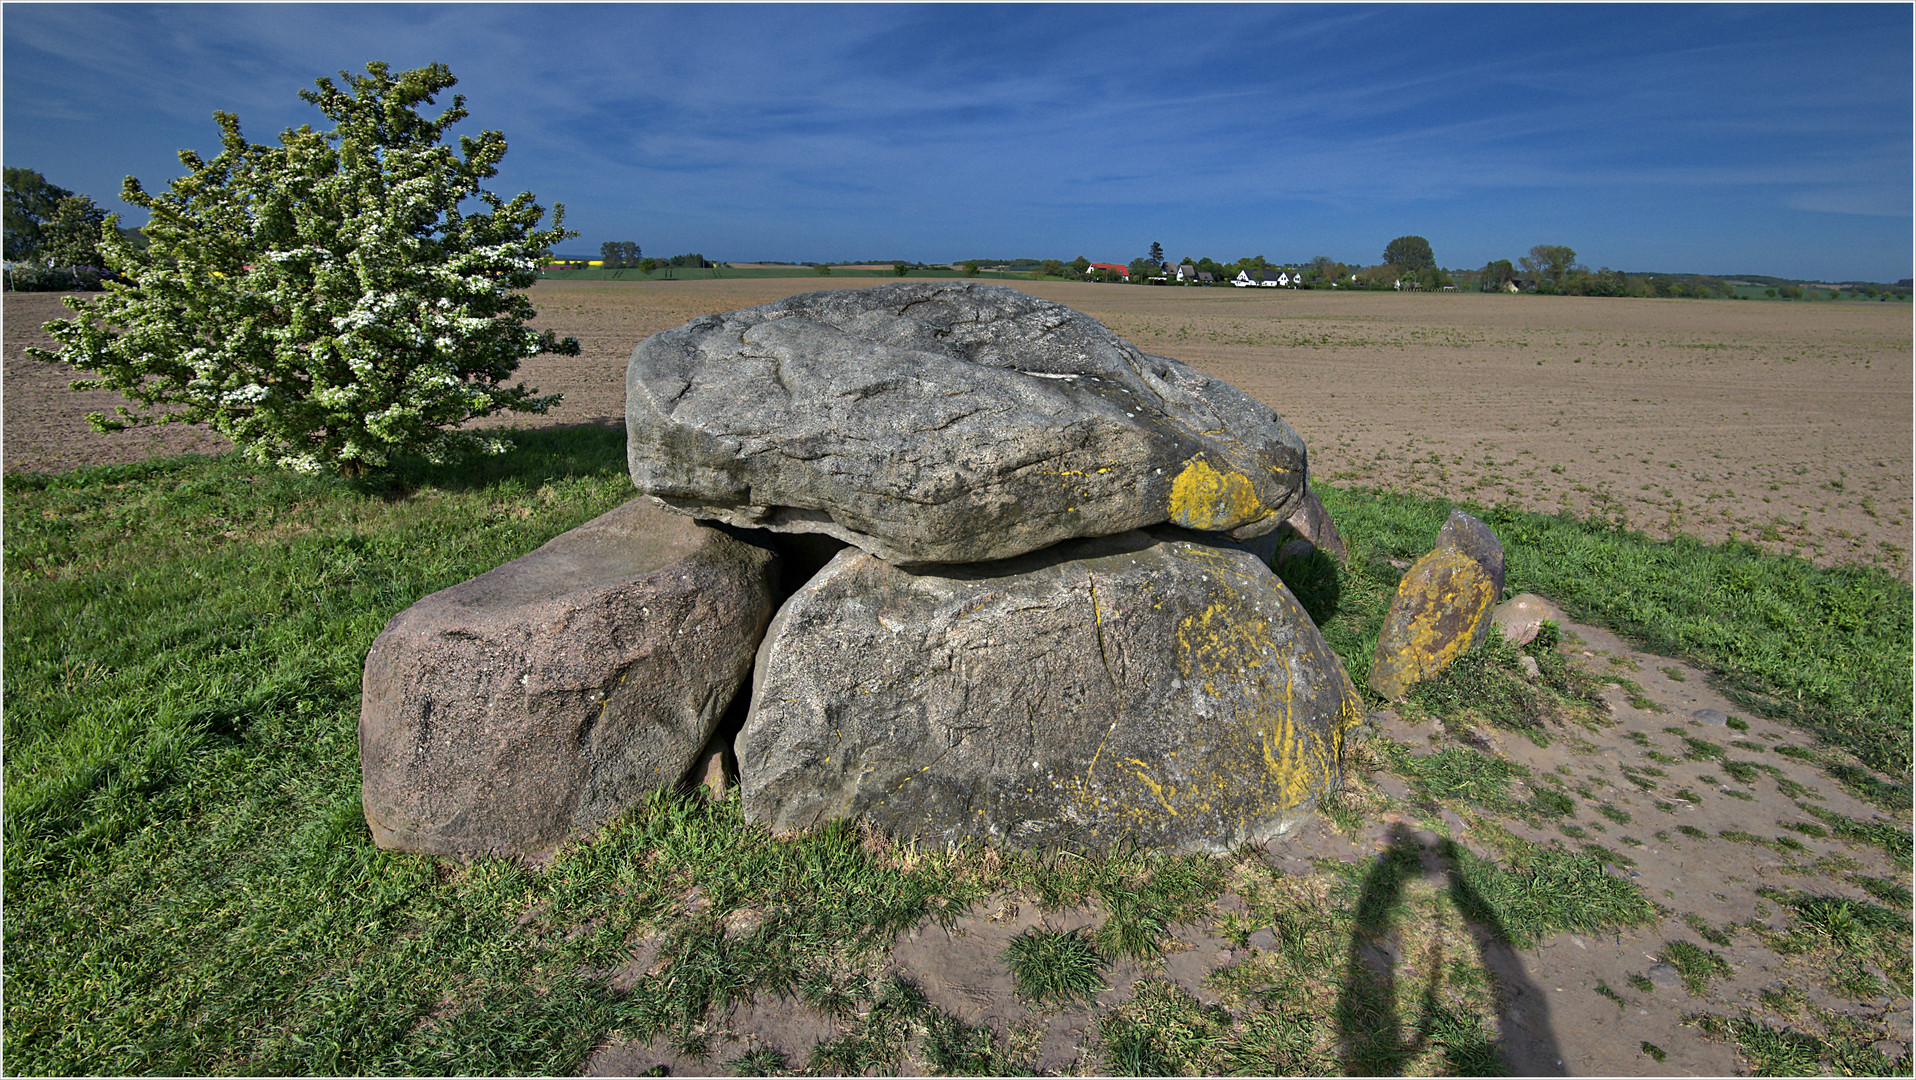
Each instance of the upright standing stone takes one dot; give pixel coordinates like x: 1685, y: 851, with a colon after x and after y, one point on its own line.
x: 1441, y: 611
x: 509, y: 713
x: 1474, y: 538
x: 1153, y: 685
x: 1312, y: 522
x: 946, y: 422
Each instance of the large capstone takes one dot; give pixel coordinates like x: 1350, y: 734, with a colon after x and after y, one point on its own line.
x: 1156, y: 685
x: 507, y: 714
x: 946, y: 422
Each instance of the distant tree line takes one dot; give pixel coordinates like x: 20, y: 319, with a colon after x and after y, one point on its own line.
x: 53, y: 236
x: 619, y: 255
x: 625, y: 255
x: 1408, y: 263
x: 1553, y: 270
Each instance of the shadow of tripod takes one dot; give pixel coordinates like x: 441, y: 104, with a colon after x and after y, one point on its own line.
x: 1371, y: 1042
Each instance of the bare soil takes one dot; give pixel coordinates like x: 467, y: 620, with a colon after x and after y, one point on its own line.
x: 1784, y: 424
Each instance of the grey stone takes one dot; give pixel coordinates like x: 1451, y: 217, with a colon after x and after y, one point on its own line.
x: 1313, y: 523
x: 946, y: 422
x: 711, y: 772
x: 1531, y: 670
x: 504, y: 715
x: 1156, y: 684
x: 1712, y: 717
x: 1665, y: 975
x: 1522, y: 616
x: 1474, y: 538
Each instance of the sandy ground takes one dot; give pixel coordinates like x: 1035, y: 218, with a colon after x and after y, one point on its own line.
x: 1553, y: 1019
x: 1784, y: 424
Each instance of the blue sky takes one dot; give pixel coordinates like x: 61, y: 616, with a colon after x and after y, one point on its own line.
x: 1721, y: 138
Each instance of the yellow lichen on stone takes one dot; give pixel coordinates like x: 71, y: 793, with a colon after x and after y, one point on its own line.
x: 1220, y: 646
x: 1442, y: 609
x: 1204, y: 498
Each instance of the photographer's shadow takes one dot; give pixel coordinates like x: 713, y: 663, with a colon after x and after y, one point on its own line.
x: 1371, y: 1040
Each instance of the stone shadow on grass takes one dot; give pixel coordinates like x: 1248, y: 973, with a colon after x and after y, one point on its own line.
x: 1371, y: 1042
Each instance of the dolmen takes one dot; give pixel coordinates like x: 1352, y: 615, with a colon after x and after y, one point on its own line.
x: 1046, y: 623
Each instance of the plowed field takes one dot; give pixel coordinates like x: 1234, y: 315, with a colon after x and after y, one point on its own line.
x: 1785, y: 424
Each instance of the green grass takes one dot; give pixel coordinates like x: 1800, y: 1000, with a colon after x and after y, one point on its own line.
x: 1843, y: 1050
x: 1458, y: 773
x: 1696, y: 965
x: 188, y: 870
x: 1055, y: 966
x: 1825, y: 648
x: 1857, y: 948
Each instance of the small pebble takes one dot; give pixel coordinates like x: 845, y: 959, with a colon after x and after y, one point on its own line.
x: 1665, y: 975
x: 1711, y: 717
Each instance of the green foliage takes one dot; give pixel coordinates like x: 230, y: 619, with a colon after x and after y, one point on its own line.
x: 1550, y: 263
x: 1538, y: 891
x: 71, y: 238
x: 326, y: 303
x: 1485, y: 683
x: 56, y: 279
x: 1458, y: 773
x: 899, y: 269
x: 1410, y: 254
x: 1163, y: 1031
x: 44, y: 220
x: 1495, y: 275
x: 619, y: 254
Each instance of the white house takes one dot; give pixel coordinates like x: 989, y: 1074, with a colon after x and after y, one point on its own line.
x: 1187, y: 272
x: 1243, y: 279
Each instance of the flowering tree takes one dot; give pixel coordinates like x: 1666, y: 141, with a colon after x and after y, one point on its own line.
x: 330, y: 302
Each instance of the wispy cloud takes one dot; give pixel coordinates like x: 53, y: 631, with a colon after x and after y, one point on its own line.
x: 934, y: 130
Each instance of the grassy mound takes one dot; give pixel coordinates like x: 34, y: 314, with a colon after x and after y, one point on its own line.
x: 190, y: 887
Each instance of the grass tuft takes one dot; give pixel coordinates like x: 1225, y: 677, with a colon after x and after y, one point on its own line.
x: 1055, y: 966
